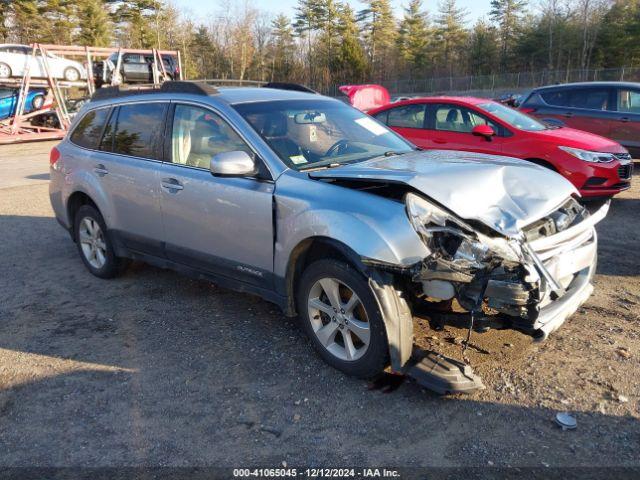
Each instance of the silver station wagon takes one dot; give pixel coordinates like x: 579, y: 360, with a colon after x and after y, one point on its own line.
x: 319, y: 208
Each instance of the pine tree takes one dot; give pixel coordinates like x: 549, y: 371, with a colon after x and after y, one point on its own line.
x: 95, y: 24
x: 57, y: 21
x: 450, y: 33
x: 282, y: 48
x: 379, y: 30
x: 351, y: 62
x: 483, y: 51
x: 26, y: 20
x: 506, y: 14
x: 307, y: 21
x: 4, y: 17
x: 413, y: 37
x: 138, y: 22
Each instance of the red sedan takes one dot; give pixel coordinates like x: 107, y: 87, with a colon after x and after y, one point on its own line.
x: 597, y: 166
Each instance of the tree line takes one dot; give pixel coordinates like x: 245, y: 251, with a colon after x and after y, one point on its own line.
x: 327, y: 42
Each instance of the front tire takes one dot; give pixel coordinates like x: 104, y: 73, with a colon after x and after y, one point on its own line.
x: 94, y: 245
x: 341, y: 317
x: 71, y: 74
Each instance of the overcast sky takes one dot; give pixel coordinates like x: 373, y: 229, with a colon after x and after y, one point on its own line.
x: 201, y: 9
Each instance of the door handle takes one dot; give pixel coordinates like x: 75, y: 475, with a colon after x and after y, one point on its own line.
x: 568, y: 114
x: 101, y: 170
x: 625, y: 119
x: 439, y: 140
x: 171, y: 184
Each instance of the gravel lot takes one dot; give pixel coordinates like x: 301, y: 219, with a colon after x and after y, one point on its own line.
x: 156, y: 369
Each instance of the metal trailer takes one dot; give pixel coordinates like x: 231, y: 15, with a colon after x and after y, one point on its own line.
x: 20, y: 127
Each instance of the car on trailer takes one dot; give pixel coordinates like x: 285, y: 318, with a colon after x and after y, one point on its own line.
x: 319, y: 208
x: 14, y: 60
x: 597, y: 166
x: 134, y: 68
x: 9, y: 101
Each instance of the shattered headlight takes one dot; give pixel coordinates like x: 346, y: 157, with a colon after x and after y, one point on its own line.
x: 445, y: 234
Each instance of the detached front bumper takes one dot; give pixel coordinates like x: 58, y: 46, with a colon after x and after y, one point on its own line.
x: 571, y: 258
x: 553, y: 315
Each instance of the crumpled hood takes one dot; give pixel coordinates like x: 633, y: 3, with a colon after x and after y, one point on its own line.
x: 504, y: 193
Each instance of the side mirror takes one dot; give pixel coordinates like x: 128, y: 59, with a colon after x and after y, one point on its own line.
x: 483, y: 131
x: 233, y: 164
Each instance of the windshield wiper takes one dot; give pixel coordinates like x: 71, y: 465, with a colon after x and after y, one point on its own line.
x: 320, y: 167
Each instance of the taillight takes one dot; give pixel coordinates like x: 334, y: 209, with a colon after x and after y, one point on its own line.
x: 527, y: 110
x: 54, y: 156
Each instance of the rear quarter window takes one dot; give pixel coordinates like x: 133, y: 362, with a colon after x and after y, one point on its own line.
x: 89, y: 129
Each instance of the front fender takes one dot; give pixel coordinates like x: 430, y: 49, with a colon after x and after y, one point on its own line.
x: 362, y: 226
x: 374, y: 227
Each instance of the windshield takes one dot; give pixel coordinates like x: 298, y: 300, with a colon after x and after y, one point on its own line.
x: 316, y: 133
x: 513, y: 117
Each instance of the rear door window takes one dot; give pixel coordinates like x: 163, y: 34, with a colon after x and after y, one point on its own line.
x: 132, y: 58
x: 590, y: 98
x: 407, y: 116
x: 88, y: 132
x: 139, y: 130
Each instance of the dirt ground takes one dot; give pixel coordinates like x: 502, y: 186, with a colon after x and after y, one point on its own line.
x: 155, y: 369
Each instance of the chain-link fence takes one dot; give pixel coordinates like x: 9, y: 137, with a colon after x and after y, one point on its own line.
x: 507, y: 81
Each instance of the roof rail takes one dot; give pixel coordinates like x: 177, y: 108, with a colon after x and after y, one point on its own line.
x: 193, y: 88
x: 289, y: 86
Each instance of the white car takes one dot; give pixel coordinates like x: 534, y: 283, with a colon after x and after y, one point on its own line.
x: 15, y: 58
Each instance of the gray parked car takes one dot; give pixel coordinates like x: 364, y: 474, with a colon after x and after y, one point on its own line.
x: 324, y: 211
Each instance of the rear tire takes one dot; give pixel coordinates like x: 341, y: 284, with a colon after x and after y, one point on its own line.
x: 94, y: 245
x: 5, y: 70
x: 37, y: 102
x: 71, y: 74
x: 347, y: 332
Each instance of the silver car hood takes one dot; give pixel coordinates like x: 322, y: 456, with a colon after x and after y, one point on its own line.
x: 504, y: 193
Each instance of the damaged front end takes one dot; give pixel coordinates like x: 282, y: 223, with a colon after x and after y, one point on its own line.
x: 478, y: 279
x: 506, y: 282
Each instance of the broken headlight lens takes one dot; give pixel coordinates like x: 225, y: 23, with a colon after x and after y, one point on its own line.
x: 445, y: 234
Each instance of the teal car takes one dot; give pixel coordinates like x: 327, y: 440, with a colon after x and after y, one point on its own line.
x: 9, y: 101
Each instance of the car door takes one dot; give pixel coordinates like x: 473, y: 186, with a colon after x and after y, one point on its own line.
x: 408, y: 122
x: 126, y: 165
x: 625, y: 128
x: 450, y: 125
x: 222, y: 225
x: 586, y: 108
x: 135, y: 68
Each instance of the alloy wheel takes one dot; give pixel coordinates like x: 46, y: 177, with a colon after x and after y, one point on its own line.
x: 339, y: 319
x: 71, y: 75
x: 91, y: 238
x: 5, y: 71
